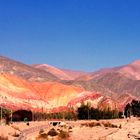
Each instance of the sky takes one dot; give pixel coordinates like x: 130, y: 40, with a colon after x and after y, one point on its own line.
x: 82, y: 35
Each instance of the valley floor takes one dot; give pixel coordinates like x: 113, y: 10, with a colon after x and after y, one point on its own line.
x: 128, y: 129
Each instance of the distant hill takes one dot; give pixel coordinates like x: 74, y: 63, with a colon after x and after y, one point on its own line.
x: 25, y: 71
x: 113, y: 81
x: 74, y: 73
x: 53, y: 70
x: 62, y: 74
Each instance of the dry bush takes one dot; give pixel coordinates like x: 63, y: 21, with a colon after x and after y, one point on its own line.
x: 120, y: 126
x: 138, y: 132
x: 92, y: 124
x: 27, y: 123
x: 41, y: 131
x: 70, y: 129
x: 105, y: 124
x: 16, y: 134
x: 43, y: 136
x: 52, y: 132
x: 63, y: 135
x: 108, y: 124
x: 3, y: 138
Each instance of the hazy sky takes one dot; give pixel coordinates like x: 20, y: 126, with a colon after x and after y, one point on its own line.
x: 74, y: 34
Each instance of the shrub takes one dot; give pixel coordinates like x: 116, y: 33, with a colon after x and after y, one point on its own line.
x: 27, y: 124
x: 92, y: 124
x: 41, y: 131
x: 70, y: 127
x: 120, y: 126
x: 138, y: 132
x: 16, y: 134
x: 108, y: 124
x: 63, y: 134
x: 43, y: 136
x: 52, y: 132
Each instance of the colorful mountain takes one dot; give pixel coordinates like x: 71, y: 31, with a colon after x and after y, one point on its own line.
x: 18, y: 93
x: 47, y: 88
x: 25, y: 71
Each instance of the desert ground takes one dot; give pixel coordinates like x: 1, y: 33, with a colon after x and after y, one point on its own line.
x: 117, y: 129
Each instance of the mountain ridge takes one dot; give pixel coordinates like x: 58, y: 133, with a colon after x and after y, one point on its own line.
x: 28, y: 87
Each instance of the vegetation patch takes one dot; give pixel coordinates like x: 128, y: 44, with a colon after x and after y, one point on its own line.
x: 63, y: 134
x: 16, y: 134
x: 91, y: 124
x: 108, y: 124
x: 94, y: 124
x: 42, y: 136
x: 41, y: 131
x: 86, y: 112
x: 52, y: 132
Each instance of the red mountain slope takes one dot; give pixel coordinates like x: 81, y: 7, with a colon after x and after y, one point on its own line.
x: 20, y: 93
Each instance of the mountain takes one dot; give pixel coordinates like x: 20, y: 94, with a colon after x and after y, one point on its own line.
x: 74, y: 73
x: 112, y: 81
x: 62, y: 74
x: 131, y: 71
x: 55, y: 71
x: 47, y: 88
x: 18, y: 93
x: 25, y: 71
x: 97, y: 100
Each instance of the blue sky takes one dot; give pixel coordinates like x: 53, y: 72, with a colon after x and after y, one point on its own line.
x: 74, y: 34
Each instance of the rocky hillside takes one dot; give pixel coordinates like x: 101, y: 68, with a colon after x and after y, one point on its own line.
x: 18, y: 93
x: 25, y: 71
x: 44, y: 87
x: 55, y: 71
x: 113, y: 82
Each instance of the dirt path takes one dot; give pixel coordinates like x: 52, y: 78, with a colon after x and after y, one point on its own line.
x: 24, y: 134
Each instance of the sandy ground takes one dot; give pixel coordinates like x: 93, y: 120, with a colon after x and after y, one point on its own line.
x: 17, y: 128
x: 130, y: 130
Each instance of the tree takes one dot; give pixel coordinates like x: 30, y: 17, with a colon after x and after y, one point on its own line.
x: 83, y: 112
x: 128, y: 110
